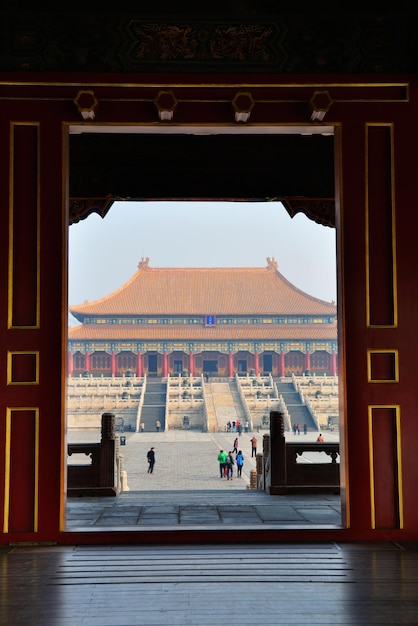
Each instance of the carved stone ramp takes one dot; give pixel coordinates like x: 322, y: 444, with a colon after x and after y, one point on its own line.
x: 226, y: 403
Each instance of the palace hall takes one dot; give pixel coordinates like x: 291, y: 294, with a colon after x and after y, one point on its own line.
x: 211, y: 321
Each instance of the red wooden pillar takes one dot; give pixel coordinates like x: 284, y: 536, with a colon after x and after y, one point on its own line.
x: 70, y: 365
x: 256, y: 366
x: 333, y: 363
x: 87, y: 362
x: 230, y: 364
x: 191, y: 364
x: 113, y: 364
x: 373, y: 195
x: 281, y: 368
x: 32, y: 277
x: 139, y: 365
x: 308, y: 361
x: 165, y: 364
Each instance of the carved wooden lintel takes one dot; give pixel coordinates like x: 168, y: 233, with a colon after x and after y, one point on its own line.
x: 81, y: 208
x: 320, y: 210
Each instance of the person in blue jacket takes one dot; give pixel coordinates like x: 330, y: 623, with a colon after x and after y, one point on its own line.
x: 239, y: 459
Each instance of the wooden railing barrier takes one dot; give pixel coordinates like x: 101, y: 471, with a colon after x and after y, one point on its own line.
x: 282, y: 474
x: 101, y: 477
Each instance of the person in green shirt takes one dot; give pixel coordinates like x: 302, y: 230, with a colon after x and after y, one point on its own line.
x: 222, y: 462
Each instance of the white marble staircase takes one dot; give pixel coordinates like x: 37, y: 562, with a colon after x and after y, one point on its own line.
x: 223, y: 405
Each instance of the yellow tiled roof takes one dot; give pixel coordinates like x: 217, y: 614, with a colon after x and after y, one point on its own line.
x: 206, y: 291
x: 230, y: 332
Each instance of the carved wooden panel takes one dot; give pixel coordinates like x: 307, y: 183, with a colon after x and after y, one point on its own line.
x: 261, y: 39
x: 380, y: 228
x: 21, y: 478
x: 383, y: 366
x: 23, y: 368
x: 24, y: 242
x: 385, y: 467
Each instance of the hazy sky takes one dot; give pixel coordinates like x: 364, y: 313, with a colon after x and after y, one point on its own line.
x: 104, y: 253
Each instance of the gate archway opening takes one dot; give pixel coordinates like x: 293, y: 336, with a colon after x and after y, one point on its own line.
x: 229, y: 185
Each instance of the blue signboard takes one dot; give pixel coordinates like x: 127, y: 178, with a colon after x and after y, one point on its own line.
x: 209, y: 320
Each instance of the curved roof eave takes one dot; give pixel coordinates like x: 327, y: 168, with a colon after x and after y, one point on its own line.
x: 205, y: 291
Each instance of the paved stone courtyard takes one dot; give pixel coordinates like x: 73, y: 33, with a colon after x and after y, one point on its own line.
x: 186, y: 487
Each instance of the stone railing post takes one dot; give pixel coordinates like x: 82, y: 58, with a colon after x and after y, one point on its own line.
x: 277, y: 451
x: 253, y: 479
x: 122, y: 473
x: 260, y: 470
x: 263, y: 464
x: 108, y: 473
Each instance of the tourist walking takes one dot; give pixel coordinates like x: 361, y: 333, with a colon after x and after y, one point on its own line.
x: 142, y: 427
x: 239, y: 459
x: 151, y: 460
x: 230, y: 465
x: 157, y: 426
x: 236, y: 444
x: 246, y: 426
x: 254, y: 446
x: 222, y: 462
x: 320, y: 438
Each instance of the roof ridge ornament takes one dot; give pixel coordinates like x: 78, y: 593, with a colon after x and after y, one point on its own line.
x: 144, y: 263
x: 272, y: 263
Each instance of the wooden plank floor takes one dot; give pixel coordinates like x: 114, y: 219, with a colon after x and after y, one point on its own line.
x: 285, y: 584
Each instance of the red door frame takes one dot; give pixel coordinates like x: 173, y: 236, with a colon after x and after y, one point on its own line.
x: 374, y: 126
